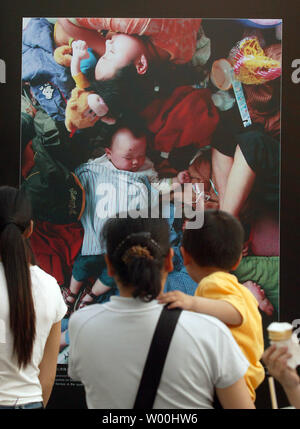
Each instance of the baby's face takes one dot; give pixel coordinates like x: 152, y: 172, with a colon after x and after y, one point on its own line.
x: 127, y: 152
x: 120, y: 51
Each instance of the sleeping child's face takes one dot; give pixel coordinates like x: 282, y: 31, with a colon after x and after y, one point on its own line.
x: 120, y: 51
x: 127, y: 152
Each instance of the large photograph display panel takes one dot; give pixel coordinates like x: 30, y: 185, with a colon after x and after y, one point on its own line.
x: 209, y: 99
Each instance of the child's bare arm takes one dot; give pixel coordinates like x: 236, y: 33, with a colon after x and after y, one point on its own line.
x: 65, y: 30
x: 79, y: 52
x: 222, y: 310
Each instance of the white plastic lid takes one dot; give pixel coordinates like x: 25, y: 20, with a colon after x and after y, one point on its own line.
x: 279, y: 327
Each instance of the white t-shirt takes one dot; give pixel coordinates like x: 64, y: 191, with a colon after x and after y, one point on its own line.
x: 109, y: 344
x: 20, y: 386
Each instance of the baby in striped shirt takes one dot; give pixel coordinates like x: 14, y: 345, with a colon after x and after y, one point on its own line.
x: 124, y: 164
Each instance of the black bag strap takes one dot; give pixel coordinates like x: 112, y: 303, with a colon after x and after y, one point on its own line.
x: 156, y: 358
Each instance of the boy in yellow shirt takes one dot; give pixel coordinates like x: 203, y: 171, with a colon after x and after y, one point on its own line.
x: 209, y: 254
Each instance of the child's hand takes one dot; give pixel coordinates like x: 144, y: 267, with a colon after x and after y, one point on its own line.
x: 183, y: 177
x: 176, y: 299
x: 80, y: 50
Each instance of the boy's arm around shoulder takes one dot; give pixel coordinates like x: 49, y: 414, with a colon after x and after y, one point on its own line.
x: 218, y: 308
x: 223, y: 299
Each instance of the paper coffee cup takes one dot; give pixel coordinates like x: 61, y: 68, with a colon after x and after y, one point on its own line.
x: 278, y: 331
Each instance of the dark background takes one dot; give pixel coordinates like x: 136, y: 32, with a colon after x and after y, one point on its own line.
x: 10, y: 51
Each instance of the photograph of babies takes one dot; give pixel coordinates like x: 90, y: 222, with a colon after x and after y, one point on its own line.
x: 112, y: 108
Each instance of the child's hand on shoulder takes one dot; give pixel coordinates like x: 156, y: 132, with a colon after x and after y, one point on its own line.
x: 183, y: 177
x: 176, y: 299
x: 80, y: 50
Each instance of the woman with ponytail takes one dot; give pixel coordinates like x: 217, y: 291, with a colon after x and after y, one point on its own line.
x: 31, y: 308
x: 109, y: 342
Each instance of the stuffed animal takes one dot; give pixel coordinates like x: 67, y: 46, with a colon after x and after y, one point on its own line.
x: 63, y: 55
x: 78, y: 112
x: 85, y: 107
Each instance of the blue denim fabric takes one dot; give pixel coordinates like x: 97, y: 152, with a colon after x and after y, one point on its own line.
x: 179, y: 278
x: 51, y: 83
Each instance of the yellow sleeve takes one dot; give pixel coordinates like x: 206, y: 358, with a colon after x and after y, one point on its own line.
x: 223, y: 290
x: 81, y: 81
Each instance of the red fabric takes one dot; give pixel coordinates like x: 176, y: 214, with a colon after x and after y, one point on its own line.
x: 177, y: 36
x: 264, y: 238
x: 263, y: 103
x: 187, y: 117
x: 27, y: 159
x: 56, y: 247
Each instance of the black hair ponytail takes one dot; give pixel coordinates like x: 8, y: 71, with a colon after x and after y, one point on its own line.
x: 15, y: 217
x: 145, y: 276
x: 137, y: 249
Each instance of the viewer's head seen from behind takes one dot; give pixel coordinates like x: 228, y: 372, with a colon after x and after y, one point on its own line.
x: 218, y: 243
x: 138, y: 254
x: 15, y: 227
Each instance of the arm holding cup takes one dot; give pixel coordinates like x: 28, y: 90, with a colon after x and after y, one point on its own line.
x: 276, y: 361
x: 282, y: 358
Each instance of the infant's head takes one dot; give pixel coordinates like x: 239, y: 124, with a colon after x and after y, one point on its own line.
x: 121, y: 50
x: 128, y: 149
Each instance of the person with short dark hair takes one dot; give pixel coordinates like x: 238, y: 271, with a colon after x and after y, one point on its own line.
x: 109, y: 342
x: 222, y: 236
x: 209, y: 254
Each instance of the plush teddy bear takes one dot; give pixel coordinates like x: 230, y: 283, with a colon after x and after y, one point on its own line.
x: 78, y: 112
x: 63, y: 55
x: 85, y: 107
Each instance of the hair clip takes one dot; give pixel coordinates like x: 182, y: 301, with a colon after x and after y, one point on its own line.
x: 137, y: 235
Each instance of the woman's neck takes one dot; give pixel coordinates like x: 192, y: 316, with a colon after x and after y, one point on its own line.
x: 127, y: 291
